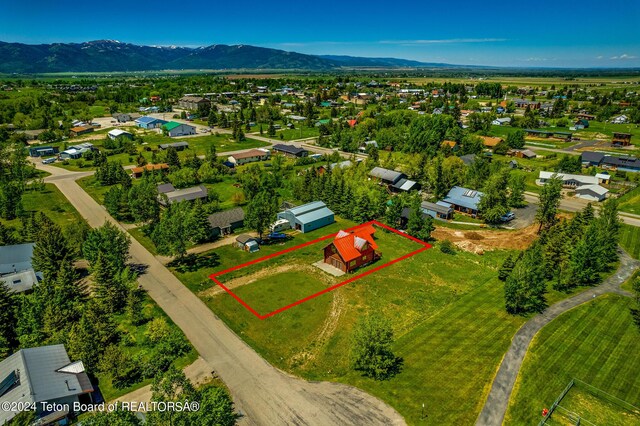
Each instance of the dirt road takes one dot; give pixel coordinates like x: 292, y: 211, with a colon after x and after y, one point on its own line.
x: 263, y: 394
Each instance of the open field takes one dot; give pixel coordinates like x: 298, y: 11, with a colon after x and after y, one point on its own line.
x: 630, y: 202
x: 51, y: 202
x: 583, y: 402
x: 450, y: 324
x: 595, y: 82
x: 594, y: 343
x: 198, y: 145
x: 277, y: 283
x: 630, y: 240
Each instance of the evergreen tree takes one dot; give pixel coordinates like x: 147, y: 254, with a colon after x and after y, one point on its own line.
x: 394, y: 212
x: 199, y: 223
x: 586, y: 260
x: 8, y: 321
x: 172, y: 157
x: 609, y: 226
x: 517, y: 187
x: 525, y: 288
x: 506, y: 268
x: 550, y: 196
x: 111, y: 243
x: 51, y: 249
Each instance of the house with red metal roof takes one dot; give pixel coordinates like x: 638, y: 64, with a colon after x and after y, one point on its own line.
x: 351, y: 250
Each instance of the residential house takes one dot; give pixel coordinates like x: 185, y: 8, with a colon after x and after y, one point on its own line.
x: 225, y: 222
x: 386, y: 176
x: 351, y: 250
x: 42, y: 151
x: 16, y: 270
x: 290, y: 150
x: 490, y: 142
x: 137, y: 172
x: 195, y: 103
x: 568, y: 180
x: 584, y: 116
x: 36, y: 376
x: 308, y: 217
x: 440, y: 210
x: 522, y: 153
x: 167, y: 194
x: 621, y: 119
x: 178, y: 146
x: 592, y: 192
x: 123, y: 117
x: 464, y: 200
x: 523, y: 103
x: 404, y: 185
x: 250, y: 156
x: 174, y: 129
x: 621, y: 139
x: 119, y: 133
x: 604, y: 178
x: 76, y: 151
x: 366, y: 144
x: 590, y: 158
x: 624, y: 163
x: 80, y: 130
x: 147, y: 122
x: 504, y: 121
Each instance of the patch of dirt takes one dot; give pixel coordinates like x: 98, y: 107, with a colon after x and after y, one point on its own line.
x: 484, y: 240
x: 265, y: 272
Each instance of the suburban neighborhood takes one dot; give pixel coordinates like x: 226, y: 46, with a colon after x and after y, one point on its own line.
x: 222, y: 234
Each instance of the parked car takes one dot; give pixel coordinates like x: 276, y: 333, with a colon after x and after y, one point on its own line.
x: 508, y: 217
x: 49, y: 160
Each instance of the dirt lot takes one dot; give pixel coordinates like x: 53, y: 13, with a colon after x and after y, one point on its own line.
x: 487, y: 239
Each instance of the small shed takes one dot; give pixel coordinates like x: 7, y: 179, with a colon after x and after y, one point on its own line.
x: 247, y: 243
x: 119, y: 133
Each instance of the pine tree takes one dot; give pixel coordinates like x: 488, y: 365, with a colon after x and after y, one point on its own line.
x: 609, y: 226
x: 51, y: 249
x: 199, y: 223
x: 172, y: 157
x: 506, y: 268
x: 8, y: 321
x: 525, y: 288
x: 394, y: 212
x: 550, y: 196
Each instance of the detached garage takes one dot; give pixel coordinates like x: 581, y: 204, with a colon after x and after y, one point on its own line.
x: 308, y: 217
x: 174, y: 129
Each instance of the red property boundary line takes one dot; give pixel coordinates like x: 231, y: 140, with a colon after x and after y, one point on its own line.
x: 425, y: 246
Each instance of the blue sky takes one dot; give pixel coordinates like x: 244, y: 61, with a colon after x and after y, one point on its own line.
x: 543, y: 33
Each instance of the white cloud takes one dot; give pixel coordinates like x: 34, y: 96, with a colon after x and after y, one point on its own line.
x: 599, y: 57
x: 443, y: 41
x: 623, y: 57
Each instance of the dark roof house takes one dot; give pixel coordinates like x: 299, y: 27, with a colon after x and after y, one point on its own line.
x: 224, y: 222
x: 16, y: 270
x: 387, y: 176
x: 290, y: 150
x: 169, y: 195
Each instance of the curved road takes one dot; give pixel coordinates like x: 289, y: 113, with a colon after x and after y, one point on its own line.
x: 263, y: 394
x: 495, y: 407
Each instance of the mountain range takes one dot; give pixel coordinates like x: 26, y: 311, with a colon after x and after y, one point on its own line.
x: 115, y: 56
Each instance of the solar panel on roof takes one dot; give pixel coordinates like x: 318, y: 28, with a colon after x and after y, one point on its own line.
x: 8, y: 382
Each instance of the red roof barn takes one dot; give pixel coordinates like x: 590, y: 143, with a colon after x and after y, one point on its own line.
x: 350, y: 250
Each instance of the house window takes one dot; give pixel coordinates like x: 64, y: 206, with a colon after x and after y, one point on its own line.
x: 364, y: 257
x: 352, y: 263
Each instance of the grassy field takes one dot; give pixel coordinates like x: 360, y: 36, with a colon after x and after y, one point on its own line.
x: 450, y: 324
x: 630, y: 202
x: 630, y: 240
x: 198, y: 145
x: 582, y: 402
x: 51, y: 202
x: 595, y: 343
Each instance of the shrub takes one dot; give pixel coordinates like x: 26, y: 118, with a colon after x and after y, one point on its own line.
x: 447, y: 247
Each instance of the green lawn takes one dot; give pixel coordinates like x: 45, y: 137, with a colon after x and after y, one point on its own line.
x: 94, y: 188
x: 51, y: 202
x: 300, y: 132
x: 630, y: 240
x: 150, y: 141
x: 630, y: 202
x: 600, y: 410
x: 451, y: 329
x: 595, y: 343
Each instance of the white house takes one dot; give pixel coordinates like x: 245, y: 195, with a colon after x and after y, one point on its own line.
x: 621, y: 119
x: 501, y: 121
x: 592, y: 192
x: 118, y: 133
x: 249, y: 156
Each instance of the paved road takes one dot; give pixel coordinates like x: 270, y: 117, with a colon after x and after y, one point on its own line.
x: 495, y: 407
x: 263, y: 394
